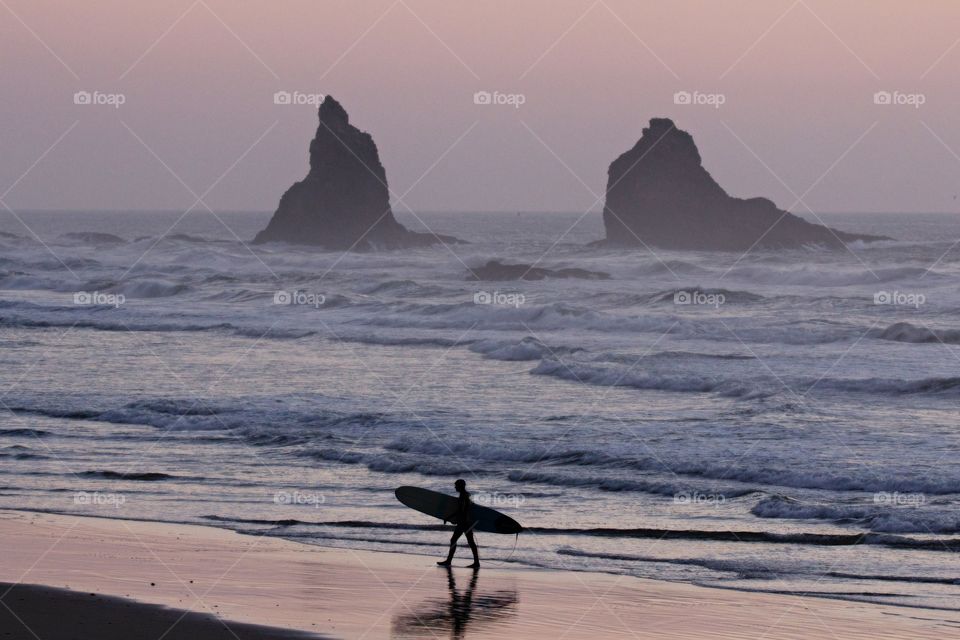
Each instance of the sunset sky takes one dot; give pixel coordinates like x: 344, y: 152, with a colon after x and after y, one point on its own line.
x: 797, y: 79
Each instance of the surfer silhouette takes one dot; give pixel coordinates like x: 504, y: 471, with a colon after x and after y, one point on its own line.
x: 463, y: 526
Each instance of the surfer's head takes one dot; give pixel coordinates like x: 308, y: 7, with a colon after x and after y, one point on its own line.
x: 460, y: 485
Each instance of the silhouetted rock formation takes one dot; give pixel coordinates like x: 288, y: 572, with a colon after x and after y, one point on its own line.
x: 344, y: 202
x: 495, y: 270
x: 659, y: 194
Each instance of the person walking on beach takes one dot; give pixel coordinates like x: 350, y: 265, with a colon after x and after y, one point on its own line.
x: 464, y: 526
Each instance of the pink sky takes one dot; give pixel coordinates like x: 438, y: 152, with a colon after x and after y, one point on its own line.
x: 798, y: 79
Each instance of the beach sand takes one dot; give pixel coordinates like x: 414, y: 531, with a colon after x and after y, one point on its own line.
x: 249, y: 580
x: 60, y: 614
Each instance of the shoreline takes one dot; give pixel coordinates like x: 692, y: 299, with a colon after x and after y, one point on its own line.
x: 272, y: 582
x: 517, y: 565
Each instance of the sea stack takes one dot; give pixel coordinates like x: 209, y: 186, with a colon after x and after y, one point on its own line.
x: 659, y: 194
x: 344, y: 202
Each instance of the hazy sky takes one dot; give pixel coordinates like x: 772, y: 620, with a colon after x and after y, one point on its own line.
x: 797, y: 80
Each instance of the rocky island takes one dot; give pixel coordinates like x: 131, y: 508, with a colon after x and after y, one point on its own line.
x: 343, y: 203
x: 659, y: 194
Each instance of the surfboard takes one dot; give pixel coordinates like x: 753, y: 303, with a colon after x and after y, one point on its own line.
x: 444, y: 507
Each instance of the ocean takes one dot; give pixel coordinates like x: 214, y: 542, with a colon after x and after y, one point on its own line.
x: 782, y: 421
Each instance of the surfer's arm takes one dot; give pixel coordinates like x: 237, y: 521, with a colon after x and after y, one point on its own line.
x: 463, y: 509
x: 451, y: 517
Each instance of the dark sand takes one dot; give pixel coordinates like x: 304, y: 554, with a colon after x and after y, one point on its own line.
x: 29, y: 612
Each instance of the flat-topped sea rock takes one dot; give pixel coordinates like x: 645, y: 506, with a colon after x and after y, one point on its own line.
x: 496, y: 271
x: 93, y: 237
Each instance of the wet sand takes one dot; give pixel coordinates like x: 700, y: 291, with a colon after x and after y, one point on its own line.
x: 33, y: 612
x: 224, y: 576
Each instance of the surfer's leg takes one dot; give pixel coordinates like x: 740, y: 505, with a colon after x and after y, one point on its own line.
x: 473, y: 547
x: 453, y: 547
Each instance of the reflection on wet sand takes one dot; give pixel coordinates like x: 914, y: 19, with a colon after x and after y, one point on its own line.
x: 455, y: 613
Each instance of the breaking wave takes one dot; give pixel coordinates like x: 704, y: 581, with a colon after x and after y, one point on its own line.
x: 907, y: 518
x: 906, y: 332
